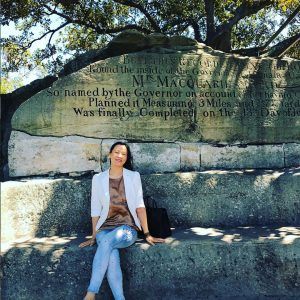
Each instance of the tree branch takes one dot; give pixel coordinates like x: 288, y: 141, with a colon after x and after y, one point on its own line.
x: 282, y: 47
x: 173, y: 23
x: 55, y: 30
x: 256, y: 51
x: 288, y: 20
x: 244, y: 10
x: 69, y: 19
x: 39, y: 38
x: 46, y: 33
x: 247, y: 51
x: 181, y: 27
x: 97, y: 28
x: 196, y: 29
x: 142, y: 9
x: 122, y: 28
x: 210, y: 17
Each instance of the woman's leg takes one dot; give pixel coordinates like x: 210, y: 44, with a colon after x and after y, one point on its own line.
x: 126, y: 237
x: 114, y: 275
x: 99, y: 263
x: 107, y: 240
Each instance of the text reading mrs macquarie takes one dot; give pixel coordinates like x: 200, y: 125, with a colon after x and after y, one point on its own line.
x: 192, y: 97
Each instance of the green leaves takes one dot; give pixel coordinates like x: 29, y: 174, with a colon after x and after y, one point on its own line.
x: 55, y: 30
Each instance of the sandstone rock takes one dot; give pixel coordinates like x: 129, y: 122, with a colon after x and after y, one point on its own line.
x: 196, y: 156
x: 227, y: 198
x: 201, y: 263
x: 44, y: 207
x: 156, y: 157
x: 167, y: 95
x: 34, y: 155
x: 157, y: 39
x: 182, y: 41
x: 292, y: 155
x: 209, y: 198
x: 128, y: 39
x: 190, y: 156
x: 249, y: 157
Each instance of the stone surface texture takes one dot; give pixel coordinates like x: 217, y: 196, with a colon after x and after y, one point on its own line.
x: 234, y: 157
x: 169, y: 92
x: 201, y: 263
x: 33, y: 155
x: 227, y: 198
x: 209, y: 198
x: 44, y: 207
x: 292, y: 154
x: 156, y: 157
x: 190, y: 156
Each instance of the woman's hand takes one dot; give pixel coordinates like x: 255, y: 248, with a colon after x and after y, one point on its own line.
x: 89, y: 242
x: 152, y: 240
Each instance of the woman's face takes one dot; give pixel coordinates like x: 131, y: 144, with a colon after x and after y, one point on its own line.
x: 118, y: 156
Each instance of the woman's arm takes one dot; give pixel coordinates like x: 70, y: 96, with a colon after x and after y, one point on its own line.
x: 94, y: 223
x: 95, y: 212
x: 142, y: 215
x: 91, y: 241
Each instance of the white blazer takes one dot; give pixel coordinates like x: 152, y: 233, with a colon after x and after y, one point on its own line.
x: 100, y: 198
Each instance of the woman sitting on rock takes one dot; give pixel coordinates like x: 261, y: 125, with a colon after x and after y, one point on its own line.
x: 118, y: 212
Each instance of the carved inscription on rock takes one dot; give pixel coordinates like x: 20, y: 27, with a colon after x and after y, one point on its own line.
x: 172, y: 96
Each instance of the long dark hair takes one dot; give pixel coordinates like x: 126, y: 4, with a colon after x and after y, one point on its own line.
x: 128, y: 163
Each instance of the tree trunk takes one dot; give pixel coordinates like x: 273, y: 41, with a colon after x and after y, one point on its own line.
x: 222, y: 42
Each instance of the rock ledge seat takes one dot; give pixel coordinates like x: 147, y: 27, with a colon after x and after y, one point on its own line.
x: 195, y: 263
x: 236, y: 236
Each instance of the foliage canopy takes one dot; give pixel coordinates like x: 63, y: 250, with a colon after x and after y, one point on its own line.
x: 71, y: 27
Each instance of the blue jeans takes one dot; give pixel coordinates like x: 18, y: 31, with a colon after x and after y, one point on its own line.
x: 107, y: 258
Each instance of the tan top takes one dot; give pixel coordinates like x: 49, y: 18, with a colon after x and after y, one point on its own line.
x: 119, y: 213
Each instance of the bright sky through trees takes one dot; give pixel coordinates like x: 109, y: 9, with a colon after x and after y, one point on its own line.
x: 53, y: 31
